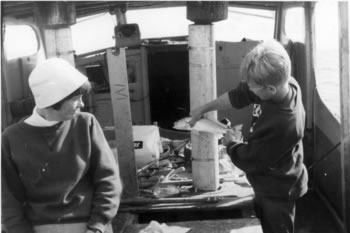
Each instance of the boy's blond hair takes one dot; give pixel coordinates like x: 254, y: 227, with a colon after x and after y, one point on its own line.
x: 266, y: 64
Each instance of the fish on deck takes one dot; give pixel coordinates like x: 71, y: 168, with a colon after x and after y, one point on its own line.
x: 207, y: 126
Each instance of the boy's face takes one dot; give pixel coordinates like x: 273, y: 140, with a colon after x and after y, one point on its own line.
x: 263, y: 92
x: 68, y: 109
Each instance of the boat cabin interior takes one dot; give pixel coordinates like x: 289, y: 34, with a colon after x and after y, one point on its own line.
x: 141, y: 58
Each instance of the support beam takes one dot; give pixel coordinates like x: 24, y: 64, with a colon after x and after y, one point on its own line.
x: 205, y: 163
x: 55, y: 18
x: 120, y: 96
x: 58, y: 43
x: 118, y: 82
x: 344, y: 42
x: 120, y: 13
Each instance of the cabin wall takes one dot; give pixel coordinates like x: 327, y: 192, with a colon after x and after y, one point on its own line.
x: 15, y: 74
x: 17, y: 101
x: 326, y: 174
x: 229, y: 56
x: 99, y: 102
x: 169, y: 81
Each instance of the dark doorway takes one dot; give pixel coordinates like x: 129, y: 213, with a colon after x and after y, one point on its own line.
x: 169, y: 84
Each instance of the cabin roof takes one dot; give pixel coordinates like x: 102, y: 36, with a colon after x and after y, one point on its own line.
x: 24, y: 9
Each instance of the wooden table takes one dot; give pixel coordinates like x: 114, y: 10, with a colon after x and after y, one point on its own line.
x: 244, y: 225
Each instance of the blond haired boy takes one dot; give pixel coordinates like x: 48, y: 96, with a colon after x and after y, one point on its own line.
x: 272, y: 155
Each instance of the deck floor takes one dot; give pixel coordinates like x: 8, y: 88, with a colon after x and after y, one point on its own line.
x: 312, y: 216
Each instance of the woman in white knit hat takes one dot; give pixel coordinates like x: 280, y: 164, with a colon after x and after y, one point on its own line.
x: 58, y: 172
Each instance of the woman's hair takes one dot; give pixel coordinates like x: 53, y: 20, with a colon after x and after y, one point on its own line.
x: 266, y: 64
x: 82, y: 90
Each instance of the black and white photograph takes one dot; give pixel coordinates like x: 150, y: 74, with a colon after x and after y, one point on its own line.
x: 175, y: 116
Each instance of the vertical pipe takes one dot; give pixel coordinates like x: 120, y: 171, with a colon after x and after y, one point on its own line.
x: 120, y: 15
x: 205, y: 166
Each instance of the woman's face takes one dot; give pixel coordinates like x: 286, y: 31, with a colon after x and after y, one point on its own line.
x: 68, y: 109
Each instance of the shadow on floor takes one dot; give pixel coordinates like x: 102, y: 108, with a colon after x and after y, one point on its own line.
x: 312, y: 216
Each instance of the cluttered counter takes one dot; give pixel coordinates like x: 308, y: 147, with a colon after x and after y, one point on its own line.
x: 166, y: 186
x: 166, y: 183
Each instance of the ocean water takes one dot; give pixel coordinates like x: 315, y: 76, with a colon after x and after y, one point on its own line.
x: 327, y: 79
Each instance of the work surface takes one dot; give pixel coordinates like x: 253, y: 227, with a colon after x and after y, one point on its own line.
x: 244, y: 225
x: 231, y: 195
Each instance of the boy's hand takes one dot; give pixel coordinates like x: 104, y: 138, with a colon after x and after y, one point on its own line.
x: 229, y: 137
x: 196, y: 115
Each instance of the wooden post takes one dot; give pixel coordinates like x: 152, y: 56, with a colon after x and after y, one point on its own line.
x: 118, y: 82
x: 205, y: 163
x: 344, y: 42
x: 55, y: 19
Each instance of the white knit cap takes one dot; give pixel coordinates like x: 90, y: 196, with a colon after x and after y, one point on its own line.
x: 53, y: 80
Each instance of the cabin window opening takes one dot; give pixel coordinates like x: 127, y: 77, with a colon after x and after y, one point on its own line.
x: 97, y: 77
x: 172, y: 22
x: 161, y: 22
x: 295, y: 24
x: 93, y: 33
x: 20, y: 41
x: 246, y: 24
x: 327, y: 55
x: 97, y: 32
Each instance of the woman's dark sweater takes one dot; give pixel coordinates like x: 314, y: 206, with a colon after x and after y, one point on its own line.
x: 59, y: 174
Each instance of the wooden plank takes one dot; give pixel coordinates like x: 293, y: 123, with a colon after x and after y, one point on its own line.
x: 118, y: 81
x: 202, y: 68
x: 242, y: 225
x: 343, y: 8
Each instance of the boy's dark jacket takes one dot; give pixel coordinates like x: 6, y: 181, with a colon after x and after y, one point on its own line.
x: 272, y: 157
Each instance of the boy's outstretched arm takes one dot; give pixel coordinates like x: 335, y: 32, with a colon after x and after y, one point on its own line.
x: 220, y: 103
